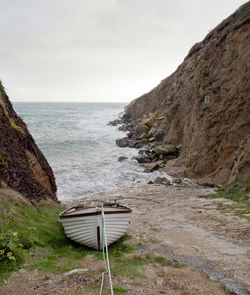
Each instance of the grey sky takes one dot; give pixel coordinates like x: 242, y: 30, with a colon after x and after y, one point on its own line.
x: 98, y: 50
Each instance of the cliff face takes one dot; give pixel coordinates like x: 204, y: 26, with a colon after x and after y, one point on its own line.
x: 23, y: 167
x: 205, y: 103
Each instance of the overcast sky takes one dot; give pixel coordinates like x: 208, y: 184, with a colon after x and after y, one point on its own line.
x: 98, y: 50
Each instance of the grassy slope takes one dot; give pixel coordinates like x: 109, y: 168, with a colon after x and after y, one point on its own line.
x: 45, y: 246
x: 239, y: 192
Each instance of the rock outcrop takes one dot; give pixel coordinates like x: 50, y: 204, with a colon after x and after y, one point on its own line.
x: 23, y: 167
x: 205, y: 104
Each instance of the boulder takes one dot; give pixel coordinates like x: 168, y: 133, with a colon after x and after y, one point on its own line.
x: 151, y: 132
x: 159, y: 134
x: 141, y: 128
x: 142, y: 159
x: 158, y: 180
x: 207, y: 184
x: 177, y: 180
x: 123, y: 142
x: 130, y: 134
x: 141, y: 142
x: 161, y: 180
x: 122, y: 128
x: 120, y: 159
x: 114, y: 122
x: 77, y: 271
x: 152, y: 168
x: 134, y: 144
x: 144, y: 135
x: 144, y: 152
x: 164, y: 150
x: 149, y: 121
x: 170, y: 156
x: 179, y: 147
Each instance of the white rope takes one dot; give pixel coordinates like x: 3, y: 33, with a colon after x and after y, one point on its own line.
x: 105, y: 257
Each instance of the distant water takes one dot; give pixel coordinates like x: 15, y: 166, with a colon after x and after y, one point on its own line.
x: 80, y: 146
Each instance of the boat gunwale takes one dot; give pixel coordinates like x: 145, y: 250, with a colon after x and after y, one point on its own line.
x: 65, y: 213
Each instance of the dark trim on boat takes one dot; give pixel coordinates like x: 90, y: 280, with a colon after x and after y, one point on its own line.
x: 67, y: 214
x: 98, y: 239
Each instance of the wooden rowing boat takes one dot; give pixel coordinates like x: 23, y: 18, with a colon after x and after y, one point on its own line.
x: 84, y: 225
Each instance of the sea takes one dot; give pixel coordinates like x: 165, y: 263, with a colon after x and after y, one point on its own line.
x: 80, y: 146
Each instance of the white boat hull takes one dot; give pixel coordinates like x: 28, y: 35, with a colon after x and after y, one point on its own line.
x: 87, y: 230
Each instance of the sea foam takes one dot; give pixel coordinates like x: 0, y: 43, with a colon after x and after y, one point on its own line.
x: 80, y: 146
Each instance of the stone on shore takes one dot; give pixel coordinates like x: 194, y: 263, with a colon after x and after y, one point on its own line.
x: 141, y: 128
x: 161, y: 180
x: 149, y: 121
x: 120, y: 159
x: 177, y: 180
x: 77, y: 271
x: 123, y: 142
x: 159, y: 134
x: 152, y: 168
x: 142, y: 159
x: 165, y: 150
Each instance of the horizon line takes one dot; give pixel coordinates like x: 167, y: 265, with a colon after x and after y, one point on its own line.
x: 43, y: 101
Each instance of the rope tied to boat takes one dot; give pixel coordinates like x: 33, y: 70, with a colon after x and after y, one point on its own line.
x: 105, y: 255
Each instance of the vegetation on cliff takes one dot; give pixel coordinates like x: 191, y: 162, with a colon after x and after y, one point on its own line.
x: 23, y: 167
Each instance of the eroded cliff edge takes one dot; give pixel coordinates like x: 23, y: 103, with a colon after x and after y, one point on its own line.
x: 205, y: 104
x: 23, y: 167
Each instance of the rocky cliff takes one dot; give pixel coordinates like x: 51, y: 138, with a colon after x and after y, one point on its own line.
x: 205, y: 104
x: 23, y: 167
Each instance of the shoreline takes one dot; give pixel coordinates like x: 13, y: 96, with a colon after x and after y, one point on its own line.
x: 147, y: 135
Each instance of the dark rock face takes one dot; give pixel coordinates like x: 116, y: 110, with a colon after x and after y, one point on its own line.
x: 204, y: 106
x: 23, y: 167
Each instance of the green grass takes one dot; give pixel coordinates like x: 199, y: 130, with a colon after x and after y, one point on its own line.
x: 2, y: 90
x: 128, y: 266
x: 238, y: 192
x: 204, y: 72
x: 119, y: 290
x: 164, y: 261
x: 46, y: 248
x: 3, y: 162
x: 154, y: 240
x: 106, y: 291
x: 18, y: 128
x: 154, y: 229
x: 123, y: 261
x: 179, y: 265
x: 202, y: 96
x: 161, y: 273
x: 161, y: 259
